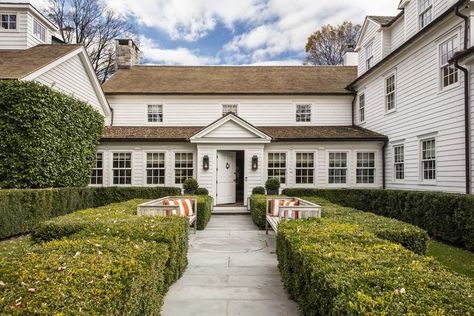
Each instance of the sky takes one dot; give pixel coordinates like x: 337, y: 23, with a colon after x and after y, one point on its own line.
x: 235, y: 32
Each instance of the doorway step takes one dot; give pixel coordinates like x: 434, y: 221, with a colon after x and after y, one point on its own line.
x: 230, y: 209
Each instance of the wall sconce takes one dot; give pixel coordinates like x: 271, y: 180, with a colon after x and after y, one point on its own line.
x: 205, y: 162
x: 254, y: 162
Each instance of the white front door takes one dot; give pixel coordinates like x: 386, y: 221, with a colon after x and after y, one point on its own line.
x: 226, y: 177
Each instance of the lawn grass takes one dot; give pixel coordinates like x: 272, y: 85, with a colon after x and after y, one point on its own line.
x: 14, y: 246
x: 456, y: 259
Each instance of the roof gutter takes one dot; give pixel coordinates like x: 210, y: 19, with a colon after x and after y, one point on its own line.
x: 467, y: 114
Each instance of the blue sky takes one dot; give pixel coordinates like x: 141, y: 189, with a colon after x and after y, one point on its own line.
x: 262, y: 32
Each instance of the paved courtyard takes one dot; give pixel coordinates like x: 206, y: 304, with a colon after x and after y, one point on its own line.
x: 232, y: 271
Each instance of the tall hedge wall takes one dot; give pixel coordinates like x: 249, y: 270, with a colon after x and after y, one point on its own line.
x: 21, y: 210
x: 446, y: 216
x: 47, y: 138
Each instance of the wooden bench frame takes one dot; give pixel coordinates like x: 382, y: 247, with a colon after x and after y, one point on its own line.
x: 156, y: 208
x: 305, y: 209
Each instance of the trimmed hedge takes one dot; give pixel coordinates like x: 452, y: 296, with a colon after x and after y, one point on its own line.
x: 21, y: 210
x: 93, y: 276
x: 258, y: 204
x: 204, y: 211
x: 409, y: 236
x: 335, y: 268
x: 47, y: 138
x: 446, y: 216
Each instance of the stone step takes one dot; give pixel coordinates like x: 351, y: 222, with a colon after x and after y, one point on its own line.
x: 230, y: 210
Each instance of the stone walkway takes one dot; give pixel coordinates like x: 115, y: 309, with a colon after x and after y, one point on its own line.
x: 232, y: 271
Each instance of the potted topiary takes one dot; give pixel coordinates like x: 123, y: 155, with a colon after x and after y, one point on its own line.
x: 202, y: 191
x: 190, y: 186
x: 258, y: 191
x: 273, y: 186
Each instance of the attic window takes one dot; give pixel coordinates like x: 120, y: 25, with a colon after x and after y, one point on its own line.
x: 39, y: 31
x: 369, y: 56
x: 229, y: 108
x: 425, y: 12
x: 8, y: 21
x: 155, y: 113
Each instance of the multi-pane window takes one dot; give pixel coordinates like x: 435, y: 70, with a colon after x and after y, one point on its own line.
x: 449, y: 73
x: 390, y: 93
x: 304, y: 168
x: 122, y: 168
x: 155, y: 168
x: 8, y: 21
x: 183, y: 167
x: 97, y: 176
x: 425, y: 12
x: 365, y: 172
x: 155, y: 113
x: 369, y: 56
x: 362, y: 107
x: 337, y: 168
x: 303, y: 113
x: 277, y: 166
x: 39, y: 31
x: 428, y: 159
x: 399, y: 162
x: 229, y: 108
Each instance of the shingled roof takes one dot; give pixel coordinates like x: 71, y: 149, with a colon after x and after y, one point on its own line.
x: 17, y: 64
x: 382, y: 20
x: 225, y: 80
x: 278, y: 133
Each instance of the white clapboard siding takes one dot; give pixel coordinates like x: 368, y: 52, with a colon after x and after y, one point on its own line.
x: 230, y: 129
x: 71, y: 78
x: 422, y: 109
x: 32, y: 40
x: 15, y: 39
x: 201, y: 111
x: 372, y: 35
x: 397, y: 37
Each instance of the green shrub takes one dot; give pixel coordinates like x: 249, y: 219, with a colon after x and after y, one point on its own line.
x: 21, y: 210
x: 47, y: 138
x: 272, y: 185
x: 120, y: 220
x: 258, y: 191
x: 335, y: 268
x: 258, y: 204
x: 190, y: 186
x: 445, y: 216
x: 202, y: 191
x: 204, y: 211
x: 93, y: 276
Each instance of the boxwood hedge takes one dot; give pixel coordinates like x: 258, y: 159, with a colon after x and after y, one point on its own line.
x: 409, y: 236
x: 446, y: 216
x: 337, y: 268
x: 21, y: 210
x: 89, y: 276
x: 204, y: 211
x: 47, y: 138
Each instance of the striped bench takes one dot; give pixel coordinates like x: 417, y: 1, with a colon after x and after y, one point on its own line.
x: 171, y: 206
x: 288, y: 208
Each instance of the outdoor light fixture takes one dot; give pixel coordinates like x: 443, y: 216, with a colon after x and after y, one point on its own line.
x: 205, y: 162
x: 254, y: 162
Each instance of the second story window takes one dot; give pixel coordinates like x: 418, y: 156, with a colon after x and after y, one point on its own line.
x: 155, y: 113
x: 425, y: 12
x: 362, y: 107
x: 229, y: 108
x: 303, y: 113
x: 39, y: 31
x: 8, y: 22
x: 449, y: 73
x: 369, y: 56
x: 390, y: 93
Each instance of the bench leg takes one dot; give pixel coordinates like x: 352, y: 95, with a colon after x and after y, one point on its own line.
x: 266, y: 227
x: 195, y: 226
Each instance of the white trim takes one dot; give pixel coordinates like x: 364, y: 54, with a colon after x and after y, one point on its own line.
x: 44, y: 28
x: 395, y: 91
x: 15, y: 30
x: 111, y: 167
x: 162, y: 114
x: 311, y: 107
x: 394, y: 173
x: 100, y: 151
x: 348, y: 169
x: 315, y: 168
x: 376, y: 158
x: 421, y: 180
x: 144, y: 180
x: 173, y: 165
x: 276, y: 151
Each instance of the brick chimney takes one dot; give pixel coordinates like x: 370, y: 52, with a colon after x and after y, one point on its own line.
x: 127, y: 53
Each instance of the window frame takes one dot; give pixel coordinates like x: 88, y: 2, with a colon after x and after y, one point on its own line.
x: 286, y: 153
x: 112, y: 175
x: 374, y: 168
x: 422, y: 160
x: 236, y: 105
x: 37, y: 24
x: 393, y: 93
x: 145, y: 177
x: 361, y: 109
x: 94, y: 168
x: 369, y: 61
x: 159, y: 105
x: 328, y: 165
x: 174, y: 165
x: 422, y: 12
x: 442, y: 65
x: 300, y: 115
x: 310, y: 184
x: 17, y: 28
x: 398, y: 163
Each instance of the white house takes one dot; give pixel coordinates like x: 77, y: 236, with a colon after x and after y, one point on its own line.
x: 410, y: 88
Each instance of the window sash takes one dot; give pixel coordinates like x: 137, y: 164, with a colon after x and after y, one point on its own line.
x: 183, y: 167
x: 304, y: 168
x: 122, y: 168
x: 39, y: 31
x: 337, y: 172
x: 155, y: 168
x: 428, y: 159
x: 390, y: 93
x: 426, y: 12
x: 399, y: 162
x: 362, y: 107
x: 155, y: 113
x: 369, y: 56
x: 277, y: 166
x: 303, y: 113
x: 365, y: 172
x: 228, y: 108
x: 97, y: 176
x: 449, y: 73
x: 8, y: 21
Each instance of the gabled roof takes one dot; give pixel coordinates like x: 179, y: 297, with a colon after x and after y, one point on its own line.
x: 17, y: 64
x: 231, y: 80
x: 382, y: 20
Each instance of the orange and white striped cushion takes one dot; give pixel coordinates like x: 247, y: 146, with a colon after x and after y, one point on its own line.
x: 293, y: 214
x: 185, y: 207
x: 276, y: 203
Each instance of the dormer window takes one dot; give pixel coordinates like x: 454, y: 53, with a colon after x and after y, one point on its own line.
x: 229, y: 108
x: 369, y: 56
x: 8, y: 22
x: 39, y: 31
x: 425, y: 12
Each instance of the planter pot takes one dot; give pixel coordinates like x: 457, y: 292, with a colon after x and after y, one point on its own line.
x: 272, y: 192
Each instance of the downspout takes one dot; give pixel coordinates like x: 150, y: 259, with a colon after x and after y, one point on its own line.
x: 354, y: 100
x: 384, y: 165
x: 467, y: 119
